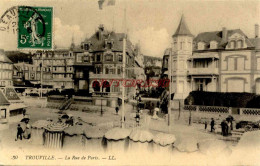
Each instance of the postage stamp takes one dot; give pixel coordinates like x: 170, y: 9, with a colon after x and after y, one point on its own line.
x: 35, y: 27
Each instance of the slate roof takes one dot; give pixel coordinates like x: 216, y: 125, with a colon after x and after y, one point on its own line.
x: 3, y: 57
x: 217, y: 36
x: 3, y: 99
x: 182, y: 28
x: 99, y: 45
x: 255, y: 42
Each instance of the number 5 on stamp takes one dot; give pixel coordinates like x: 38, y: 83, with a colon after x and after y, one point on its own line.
x: 35, y: 27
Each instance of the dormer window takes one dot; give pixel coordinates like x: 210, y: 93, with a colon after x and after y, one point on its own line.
x: 86, y: 46
x: 109, y: 44
x: 232, y: 44
x: 201, y: 46
x: 239, y: 44
x: 213, y: 45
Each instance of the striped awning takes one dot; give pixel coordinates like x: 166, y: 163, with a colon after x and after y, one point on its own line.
x: 56, y: 127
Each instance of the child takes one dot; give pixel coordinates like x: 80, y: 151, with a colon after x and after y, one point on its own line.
x: 19, y: 132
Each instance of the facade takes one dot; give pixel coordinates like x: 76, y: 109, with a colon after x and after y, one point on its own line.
x: 27, y: 73
x: 219, y: 61
x: 6, y: 70
x: 60, y: 64
x: 98, y: 64
x: 153, y: 67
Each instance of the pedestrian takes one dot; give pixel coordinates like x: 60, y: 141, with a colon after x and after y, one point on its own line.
x: 206, y: 124
x: 28, y: 130
x: 212, y: 124
x: 229, y: 128
x: 223, y: 127
x: 19, y: 132
x: 117, y: 109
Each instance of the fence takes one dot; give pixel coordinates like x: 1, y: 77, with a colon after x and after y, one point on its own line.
x: 209, y: 109
x: 249, y: 111
x: 222, y: 110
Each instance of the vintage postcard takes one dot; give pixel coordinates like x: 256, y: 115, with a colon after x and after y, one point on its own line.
x: 129, y: 82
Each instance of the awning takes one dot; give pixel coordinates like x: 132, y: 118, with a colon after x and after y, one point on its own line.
x: 16, y: 106
x: 207, y: 56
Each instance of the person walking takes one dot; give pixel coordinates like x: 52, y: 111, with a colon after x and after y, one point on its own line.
x: 206, y: 125
x: 223, y: 127
x: 212, y: 124
x: 19, y: 132
x: 117, y: 109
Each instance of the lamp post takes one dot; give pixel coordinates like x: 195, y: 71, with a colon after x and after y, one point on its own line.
x: 101, y: 104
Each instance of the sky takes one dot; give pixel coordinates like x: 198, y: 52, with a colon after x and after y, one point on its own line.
x: 148, y: 22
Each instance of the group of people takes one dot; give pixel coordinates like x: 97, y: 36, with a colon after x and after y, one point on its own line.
x: 23, y: 131
x: 226, y: 126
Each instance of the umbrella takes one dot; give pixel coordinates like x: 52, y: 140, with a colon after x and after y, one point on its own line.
x: 25, y: 119
x: 56, y: 127
x: 157, y: 109
x: 117, y: 133
x: 141, y: 135
x: 164, y: 139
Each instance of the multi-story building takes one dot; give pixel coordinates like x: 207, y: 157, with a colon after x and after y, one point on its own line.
x: 28, y: 73
x: 6, y: 70
x: 218, y: 61
x: 60, y: 63
x: 153, y: 67
x: 98, y: 66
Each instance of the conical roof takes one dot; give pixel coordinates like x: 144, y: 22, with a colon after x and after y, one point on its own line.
x: 182, y: 29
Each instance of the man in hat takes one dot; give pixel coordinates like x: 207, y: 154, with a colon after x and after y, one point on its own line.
x: 19, y: 132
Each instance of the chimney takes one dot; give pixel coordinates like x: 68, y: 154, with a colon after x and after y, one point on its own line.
x: 224, y: 34
x: 256, y: 30
x: 100, y: 31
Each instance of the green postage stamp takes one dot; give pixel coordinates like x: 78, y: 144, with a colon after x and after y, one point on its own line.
x: 35, y: 27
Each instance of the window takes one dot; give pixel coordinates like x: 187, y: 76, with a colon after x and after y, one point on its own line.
x: 79, y: 57
x: 213, y: 45
x: 232, y: 44
x: 201, y: 46
x: 111, y: 71
x: 231, y: 64
x: 106, y: 70
x: 118, y: 70
x: 120, y: 58
x: 3, y: 113
x: 239, y: 44
x: 86, y: 59
x: 86, y: 47
x: 98, y: 70
x: 98, y: 57
x: 175, y: 45
x: 109, y: 57
x: 182, y: 45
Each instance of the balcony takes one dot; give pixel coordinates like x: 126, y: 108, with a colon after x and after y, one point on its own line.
x: 203, y: 71
x: 105, y: 76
